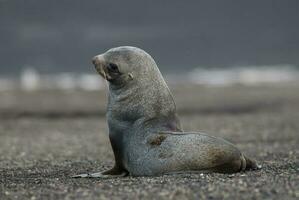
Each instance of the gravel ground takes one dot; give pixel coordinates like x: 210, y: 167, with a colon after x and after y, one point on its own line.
x: 45, y: 137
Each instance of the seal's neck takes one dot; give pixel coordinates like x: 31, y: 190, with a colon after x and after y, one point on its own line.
x: 146, y: 103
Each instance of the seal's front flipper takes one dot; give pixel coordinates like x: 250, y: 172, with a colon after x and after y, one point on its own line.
x: 100, y: 175
x: 111, y: 173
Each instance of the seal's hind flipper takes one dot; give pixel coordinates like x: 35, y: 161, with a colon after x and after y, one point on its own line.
x: 252, y: 164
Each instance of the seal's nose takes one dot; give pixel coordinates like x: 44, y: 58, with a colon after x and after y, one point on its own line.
x: 99, y: 64
x: 94, y: 60
x: 98, y: 60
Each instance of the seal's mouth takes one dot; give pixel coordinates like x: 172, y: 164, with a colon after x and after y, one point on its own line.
x: 102, y: 70
x: 100, y: 65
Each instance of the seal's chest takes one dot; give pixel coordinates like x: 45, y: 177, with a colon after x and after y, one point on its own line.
x: 118, y: 126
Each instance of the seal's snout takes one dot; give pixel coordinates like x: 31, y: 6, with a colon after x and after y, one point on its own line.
x: 99, y: 63
x: 94, y: 60
x: 97, y: 60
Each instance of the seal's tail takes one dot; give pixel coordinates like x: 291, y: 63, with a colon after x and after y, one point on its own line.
x: 249, y: 164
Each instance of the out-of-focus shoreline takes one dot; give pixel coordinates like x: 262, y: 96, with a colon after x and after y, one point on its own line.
x: 32, y: 80
x: 190, y: 99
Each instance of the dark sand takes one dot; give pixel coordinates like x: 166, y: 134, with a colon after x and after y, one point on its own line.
x: 45, y: 137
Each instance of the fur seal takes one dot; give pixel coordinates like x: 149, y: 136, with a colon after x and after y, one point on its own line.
x: 144, y: 129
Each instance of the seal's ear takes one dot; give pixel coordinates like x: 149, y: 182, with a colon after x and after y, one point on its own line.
x: 130, y: 76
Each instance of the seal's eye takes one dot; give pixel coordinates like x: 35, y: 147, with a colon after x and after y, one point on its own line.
x: 113, y: 67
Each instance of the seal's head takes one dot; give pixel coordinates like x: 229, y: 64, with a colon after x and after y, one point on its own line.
x: 121, y: 65
x: 137, y: 89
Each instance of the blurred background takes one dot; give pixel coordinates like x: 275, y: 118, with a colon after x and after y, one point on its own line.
x: 212, y: 42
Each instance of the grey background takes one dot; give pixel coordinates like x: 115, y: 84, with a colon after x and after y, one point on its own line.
x: 62, y: 35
